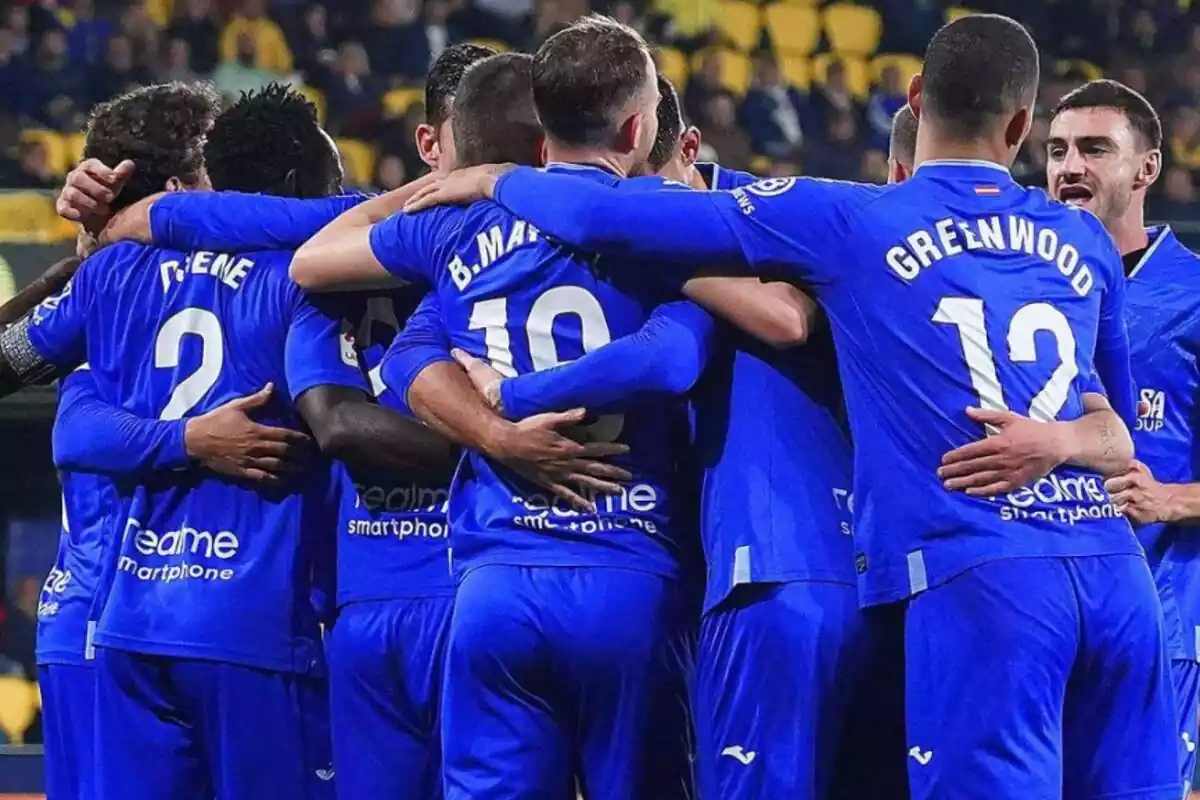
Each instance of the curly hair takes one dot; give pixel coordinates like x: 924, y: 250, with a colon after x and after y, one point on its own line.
x: 271, y: 142
x: 160, y: 128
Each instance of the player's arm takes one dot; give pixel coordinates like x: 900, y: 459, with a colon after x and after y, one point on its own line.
x: 1145, y: 500
x: 664, y: 358
x: 91, y: 435
x: 419, y: 369
x: 21, y: 365
x: 773, y: 312
x: 349, y: 253
x: 1018, y: 451
x: 1112, y: 358
x: 332, y: 396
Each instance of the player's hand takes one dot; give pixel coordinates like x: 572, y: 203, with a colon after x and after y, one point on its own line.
x: 539, y: 449
x: 484, y: 377
x: 1140, y: 497
x: 89, y: 191
x: 1016, y: 452
x: 459, y: 188
x: 131, y: 224
x: 227, y: 441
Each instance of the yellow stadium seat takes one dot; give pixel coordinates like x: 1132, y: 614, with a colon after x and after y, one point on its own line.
x: 908, y: 65
x: 1087, y: 69
x: 316, y: 97
x: 358, y: 158
x: 160, y: 11
x: 28, y: 217
x: 808, y: 3
x: 958, y: 12
x: 858, y: 75
x: 673, y: 64
x: 736, y: 69
x: 74, y: 144
x: 797, y: 71
x: 760, y: 165
x: 18, y: 707
x: 795, y: 30
x: 741, y: 22
x: 852, y: 29
x: 56, y: 148
x: 397, y: 101
x: 495, y: 44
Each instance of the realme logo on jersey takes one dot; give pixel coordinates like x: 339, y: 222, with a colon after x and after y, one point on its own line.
x: 185, y: 542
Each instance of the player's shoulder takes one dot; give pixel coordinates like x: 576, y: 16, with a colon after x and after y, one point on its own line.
x: 117, y: 263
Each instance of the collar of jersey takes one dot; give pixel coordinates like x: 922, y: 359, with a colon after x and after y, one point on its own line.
x: 963, y: 164
x: 1157, y: 234
x: 592, y: 170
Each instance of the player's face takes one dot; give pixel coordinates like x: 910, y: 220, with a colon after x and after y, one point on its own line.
x: 1094, y: 160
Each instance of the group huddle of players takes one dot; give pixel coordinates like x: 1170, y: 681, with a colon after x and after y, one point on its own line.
x: 535, y: 477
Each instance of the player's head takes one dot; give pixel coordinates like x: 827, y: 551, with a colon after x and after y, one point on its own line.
x: 677, y: 144
x: 596, y: 90
x: 977, y: 87
x: 494, y: 118
x: 161, y: 129
x: 902, y: 145
x: 1104, y: 150
x: 435, y: 136
x: 270, y: 142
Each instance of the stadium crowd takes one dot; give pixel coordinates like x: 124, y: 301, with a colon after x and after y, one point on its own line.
x: 993, y: 627
x: 786, y: 87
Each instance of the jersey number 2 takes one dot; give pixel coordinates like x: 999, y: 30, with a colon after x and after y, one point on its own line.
x: 195, y: 322
x: 966, y: 314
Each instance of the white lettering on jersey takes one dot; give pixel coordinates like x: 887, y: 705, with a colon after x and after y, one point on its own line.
x: 229, y: 269
x: 491, y: 246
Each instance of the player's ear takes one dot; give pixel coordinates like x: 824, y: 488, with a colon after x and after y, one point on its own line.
x: 915, y: 86
x: 690, y: 145
x: 896, y: 171
x: 539, y: 155
x: 1018, y: 127
x: 628, y: 134
x: 1150, y: 169
x: 174, y: 185
x: 427, y: 144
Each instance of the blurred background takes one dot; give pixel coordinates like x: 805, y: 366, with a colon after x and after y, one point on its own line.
x: 778, y: 88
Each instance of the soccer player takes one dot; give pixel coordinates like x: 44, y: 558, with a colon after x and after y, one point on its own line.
x: 1104, y: 153
x: 1034, y: 648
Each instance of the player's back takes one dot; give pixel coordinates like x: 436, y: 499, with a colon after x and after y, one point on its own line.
x: 206, y: 567
x: 959, y: 288
x: 524, y: 304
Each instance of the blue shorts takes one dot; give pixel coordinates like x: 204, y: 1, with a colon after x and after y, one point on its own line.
x: 1041, y: 678
x: 184, y: 729
x: 559, y: 673
x: 1186, y: 677
x: 385, y: 690
x: 68, y: 715
x: 785, y: 702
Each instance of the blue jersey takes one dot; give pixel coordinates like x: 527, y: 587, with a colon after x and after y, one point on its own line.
x: 957, y: 288
x: 393, y: 532
x: 203, y: 567
x: 524, y: 303
x: 777, y: 461
x: 1164, y: 330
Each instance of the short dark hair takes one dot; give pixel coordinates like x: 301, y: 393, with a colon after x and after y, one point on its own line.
x: 902, y: 146
x: 441, y: 84
x: 670, y: 125
x: 1106, y: 93
x: 494, y: 118
x: 584, y: 74
x: 270, y: 142
x: 160, y: 128
x: 977, y: 70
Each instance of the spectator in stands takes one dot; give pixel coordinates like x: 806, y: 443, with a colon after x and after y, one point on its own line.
x: 783, y: 169
x: 772, y: 111
x: 118, y: 73
x: 873, y: 167
x: 886, y: 99
x: 354, y: 94
x: 552, y: 16
x: 689, y: 24
x: 17, y: 21
x: 1139, y: 34
x: 704, y: 83
x: 507, y: 20
x: 722, y: 132
x: 833, y: 97
x: 390, y: 173
x: 177, y: 63
x: 242, y: 74
x: 440, y: 31
x: 270, y: 47
x: 32, y: 168
x: 1030, y: 166
x: 1183, y: 142
x: 143, y: 34
x: 196, y: 24
x: 839, y: 156
x: 14, y: 74
x: 313, y: 49
x: 1179, y: 197
x: 89, y: 34
x: 20, y: 627
x: 397, y: 41
x: 58, y: 92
